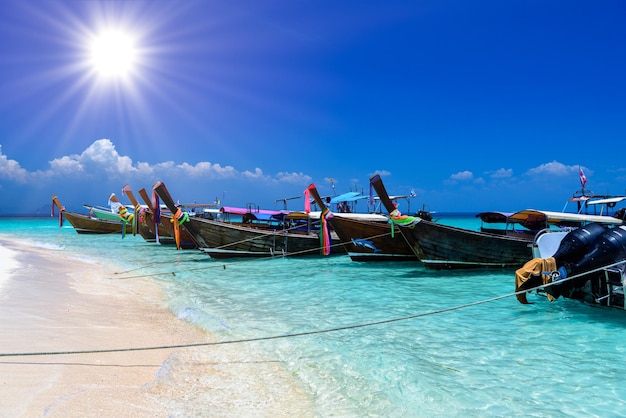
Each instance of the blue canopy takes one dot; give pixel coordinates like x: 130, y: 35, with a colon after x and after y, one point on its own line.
x: 348, y: 197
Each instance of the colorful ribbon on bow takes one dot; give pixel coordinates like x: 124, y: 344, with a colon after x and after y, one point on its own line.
x: 325, y: 231
x: 404, y: 220
x: 126, y: 217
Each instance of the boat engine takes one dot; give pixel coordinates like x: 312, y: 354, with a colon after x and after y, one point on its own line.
x: 608, y: 248
x: 576, y: 243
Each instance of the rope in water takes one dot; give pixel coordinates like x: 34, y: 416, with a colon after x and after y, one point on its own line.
x: 224, y: 246
x: 234, y: 260
x: 154, y: 263
x: 306, y: 333
x: 279, y: 232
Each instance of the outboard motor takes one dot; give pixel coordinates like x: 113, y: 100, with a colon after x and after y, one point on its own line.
x: 608, y: 248
x: 576, y: 243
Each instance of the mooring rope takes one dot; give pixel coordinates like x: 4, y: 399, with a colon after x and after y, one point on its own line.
x: 266, y: 338
x: 235, y: 260
x: 312, y: 332
x: 154, y: 263
x: 576, y: 276
x: 195, y: 269
x: 261, y: 256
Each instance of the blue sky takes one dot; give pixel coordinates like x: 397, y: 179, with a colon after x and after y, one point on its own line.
x: 482, y: 105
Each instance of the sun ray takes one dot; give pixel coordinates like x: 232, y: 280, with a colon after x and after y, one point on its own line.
x: 110, y: 70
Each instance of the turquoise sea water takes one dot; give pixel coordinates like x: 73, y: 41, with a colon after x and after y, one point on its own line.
x: 497, y: 358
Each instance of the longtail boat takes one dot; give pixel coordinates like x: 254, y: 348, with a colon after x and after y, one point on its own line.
x: 448, y: 247
x: 259, y: 234
x: 86, y: 224
x: 368, y: 237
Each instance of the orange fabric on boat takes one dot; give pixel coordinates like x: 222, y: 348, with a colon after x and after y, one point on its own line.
x: 175, y: 217
x: 534, y: 267
x: 178, y: 219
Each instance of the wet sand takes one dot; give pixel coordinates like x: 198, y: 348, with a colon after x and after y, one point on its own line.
x: 52, y: 303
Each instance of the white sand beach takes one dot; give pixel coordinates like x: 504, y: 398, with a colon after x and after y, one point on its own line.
x: 51, y: 303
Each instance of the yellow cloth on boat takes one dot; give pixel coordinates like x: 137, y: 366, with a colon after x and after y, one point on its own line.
x: 534, y: 267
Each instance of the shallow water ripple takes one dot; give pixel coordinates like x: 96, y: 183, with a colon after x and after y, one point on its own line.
x: 499, y: 358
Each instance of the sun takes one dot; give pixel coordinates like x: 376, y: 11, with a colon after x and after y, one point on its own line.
x: 113, y: 54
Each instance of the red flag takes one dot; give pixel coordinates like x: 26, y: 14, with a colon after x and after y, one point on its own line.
x: 583, y: 179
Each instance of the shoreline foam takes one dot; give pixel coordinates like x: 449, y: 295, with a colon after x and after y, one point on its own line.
x: 9, y: 264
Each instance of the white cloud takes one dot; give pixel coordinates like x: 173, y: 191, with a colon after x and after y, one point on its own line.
x: 501, y: 173
x: 11, y: 169
x: 102, y: 153
x: 258, y: 173
x: 206, y: 169
x: 66, y: 165
x: 462, y: 176
x: 101, y: 157
x: 144, y: 168
x: 381, y: 173
x: 164, y: 166
x: 556, y: 168
x: 295, y: 178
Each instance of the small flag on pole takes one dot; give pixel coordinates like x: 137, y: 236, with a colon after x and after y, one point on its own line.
x: 583, y: 179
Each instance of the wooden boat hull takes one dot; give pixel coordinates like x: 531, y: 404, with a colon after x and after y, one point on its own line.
x: 84, y: 224
x: 145, y: 225
x: 447, y: 247
x: 225, y: 240
x: 373, y: 241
